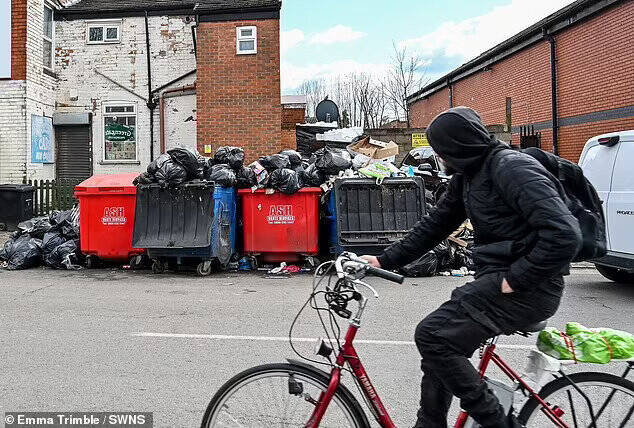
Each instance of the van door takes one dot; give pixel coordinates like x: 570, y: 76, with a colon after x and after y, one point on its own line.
x: 621, y: 201
x: 598, y: 163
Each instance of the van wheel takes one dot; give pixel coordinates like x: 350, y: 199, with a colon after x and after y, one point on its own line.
x: 617, y: 275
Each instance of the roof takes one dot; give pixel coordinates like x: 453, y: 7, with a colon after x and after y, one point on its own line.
x: 201, y: 6
x: 129, y: 5
x: 293, y: 99
x: 225, y: 5
x: 563, y: 18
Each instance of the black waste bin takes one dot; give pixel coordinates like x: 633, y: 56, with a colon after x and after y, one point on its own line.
x: 16, y: 205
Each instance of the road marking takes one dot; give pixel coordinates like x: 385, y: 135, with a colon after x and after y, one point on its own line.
x: 295, y: 339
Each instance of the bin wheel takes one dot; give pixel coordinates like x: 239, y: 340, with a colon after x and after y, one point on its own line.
x: 3, y: 227
x: 312, y: 261
x: 158, y: 267
x: 136, y: 262
x: 254, y: 262
x: 91, y: 262
x: 204, y: 268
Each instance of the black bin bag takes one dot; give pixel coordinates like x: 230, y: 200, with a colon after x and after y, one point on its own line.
x: 285, y: 180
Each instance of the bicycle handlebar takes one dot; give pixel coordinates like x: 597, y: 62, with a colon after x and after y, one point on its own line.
x: 385, y: 274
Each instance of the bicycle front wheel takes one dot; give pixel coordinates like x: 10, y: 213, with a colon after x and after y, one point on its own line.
x: 280, y: 395
x: 611, y: 401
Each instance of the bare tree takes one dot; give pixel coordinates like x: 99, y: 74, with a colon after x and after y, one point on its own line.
x: 315, y: 91
x: 405, y: 76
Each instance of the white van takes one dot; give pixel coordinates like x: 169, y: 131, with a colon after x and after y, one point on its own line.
x: 608, y: 162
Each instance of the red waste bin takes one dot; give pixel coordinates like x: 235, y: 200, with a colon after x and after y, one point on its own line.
x: 106, y: 208
x: 280, y: 227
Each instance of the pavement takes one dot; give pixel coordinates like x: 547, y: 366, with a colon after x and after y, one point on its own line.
x: 107, y: 340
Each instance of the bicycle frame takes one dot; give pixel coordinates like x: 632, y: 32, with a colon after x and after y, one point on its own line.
x: 349, y: 355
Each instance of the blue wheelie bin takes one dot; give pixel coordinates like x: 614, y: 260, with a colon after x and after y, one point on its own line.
x: 191, y: 225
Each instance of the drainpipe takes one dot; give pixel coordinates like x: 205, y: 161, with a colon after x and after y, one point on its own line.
x: 553, y: 86
x: 450, y: 92
x: 151, y: 104
x: 177, y: 92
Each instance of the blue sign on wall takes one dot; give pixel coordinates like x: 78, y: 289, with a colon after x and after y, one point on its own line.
x: 42, y: 144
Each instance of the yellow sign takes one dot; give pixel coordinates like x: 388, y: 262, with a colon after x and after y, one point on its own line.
x: 419, y: 140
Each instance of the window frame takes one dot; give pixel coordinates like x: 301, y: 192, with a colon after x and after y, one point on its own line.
x: 240, y: 38
x: 104, y: 24
x: 51, y: 40
x: 104, y: 115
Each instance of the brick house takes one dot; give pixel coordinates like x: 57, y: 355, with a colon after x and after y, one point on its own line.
x: 110, y: 84
x: 570, y: 76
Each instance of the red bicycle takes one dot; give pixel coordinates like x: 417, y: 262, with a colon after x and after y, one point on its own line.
x: 297, y: 394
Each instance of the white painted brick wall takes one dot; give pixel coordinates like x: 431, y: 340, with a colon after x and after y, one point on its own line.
x: 12, y: 130
x: 172, y: 55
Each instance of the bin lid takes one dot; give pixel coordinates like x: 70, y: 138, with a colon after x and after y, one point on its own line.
x: 18, y: 188
x: 108, y: 183
x: 302, y: 190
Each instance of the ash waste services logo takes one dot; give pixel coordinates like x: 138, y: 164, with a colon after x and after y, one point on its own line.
x: 113, y: 216
x: 281, y: 214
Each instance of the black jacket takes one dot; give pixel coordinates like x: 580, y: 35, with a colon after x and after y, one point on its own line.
x: 522, y: 226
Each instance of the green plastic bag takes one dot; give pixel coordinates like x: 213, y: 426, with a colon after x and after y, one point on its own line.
x: 586, y: 345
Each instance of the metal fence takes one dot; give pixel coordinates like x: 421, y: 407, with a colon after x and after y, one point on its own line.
x: 51, y: 195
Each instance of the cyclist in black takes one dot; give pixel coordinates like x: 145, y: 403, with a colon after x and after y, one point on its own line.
x: 525, y: 238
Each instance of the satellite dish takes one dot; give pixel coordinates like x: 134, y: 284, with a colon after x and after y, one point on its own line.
x: 327, y: 111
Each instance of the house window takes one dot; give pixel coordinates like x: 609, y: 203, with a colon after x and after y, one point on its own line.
x: 104, y: 32
x: 48, y: 36
x: 246, y: 40
x: 119, y: 132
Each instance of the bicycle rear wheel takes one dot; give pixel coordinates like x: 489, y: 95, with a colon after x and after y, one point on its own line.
x: 269, y: 396
x: 611, y: 397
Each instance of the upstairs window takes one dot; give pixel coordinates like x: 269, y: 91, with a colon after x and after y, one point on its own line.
x: 246, y: 40
x: 48, y: 32
x: 104, y: 32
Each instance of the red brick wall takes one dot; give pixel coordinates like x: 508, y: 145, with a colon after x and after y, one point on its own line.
x: 595, y: 72
x: 18, y: 39
x: 290, y: 118
x: 422, y: 112
x: 238, y: 96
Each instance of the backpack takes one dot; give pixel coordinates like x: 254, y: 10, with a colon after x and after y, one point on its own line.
x: 582, y: 201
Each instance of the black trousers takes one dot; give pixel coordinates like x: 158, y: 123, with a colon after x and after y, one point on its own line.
x: 448, y: 337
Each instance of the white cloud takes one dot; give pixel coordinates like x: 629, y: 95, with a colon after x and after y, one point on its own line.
x: 336, y: 34
x: 468, y: 38
x: 290, y: 39
x: 293, y: 75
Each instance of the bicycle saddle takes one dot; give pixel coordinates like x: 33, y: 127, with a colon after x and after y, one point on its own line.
x: 533, y: 328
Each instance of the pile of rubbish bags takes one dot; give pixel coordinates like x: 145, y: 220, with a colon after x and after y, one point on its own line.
x: 51, y: 240
x: 583, y: 344
x: 285, y: 171
x: 452, y: 257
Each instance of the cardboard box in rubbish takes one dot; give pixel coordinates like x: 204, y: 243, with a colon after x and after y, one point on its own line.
x: 374, y: 149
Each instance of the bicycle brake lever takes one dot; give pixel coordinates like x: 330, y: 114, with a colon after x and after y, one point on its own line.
x: 368, y: 286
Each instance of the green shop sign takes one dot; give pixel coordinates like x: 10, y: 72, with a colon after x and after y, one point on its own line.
x: 118, y: 132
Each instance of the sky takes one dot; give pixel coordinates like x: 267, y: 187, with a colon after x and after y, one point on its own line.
x: 323, y: 38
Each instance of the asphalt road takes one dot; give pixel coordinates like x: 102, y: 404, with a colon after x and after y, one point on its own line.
x: 106, y: 340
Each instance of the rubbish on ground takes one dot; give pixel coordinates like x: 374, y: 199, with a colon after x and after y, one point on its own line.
x: 277, y: 270
x: 292, y: 269
x: 427, y: 265
x: 21, y: 252
x: 64, y: 256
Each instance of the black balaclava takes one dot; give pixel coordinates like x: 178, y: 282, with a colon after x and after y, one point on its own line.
x: 460, y: 139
